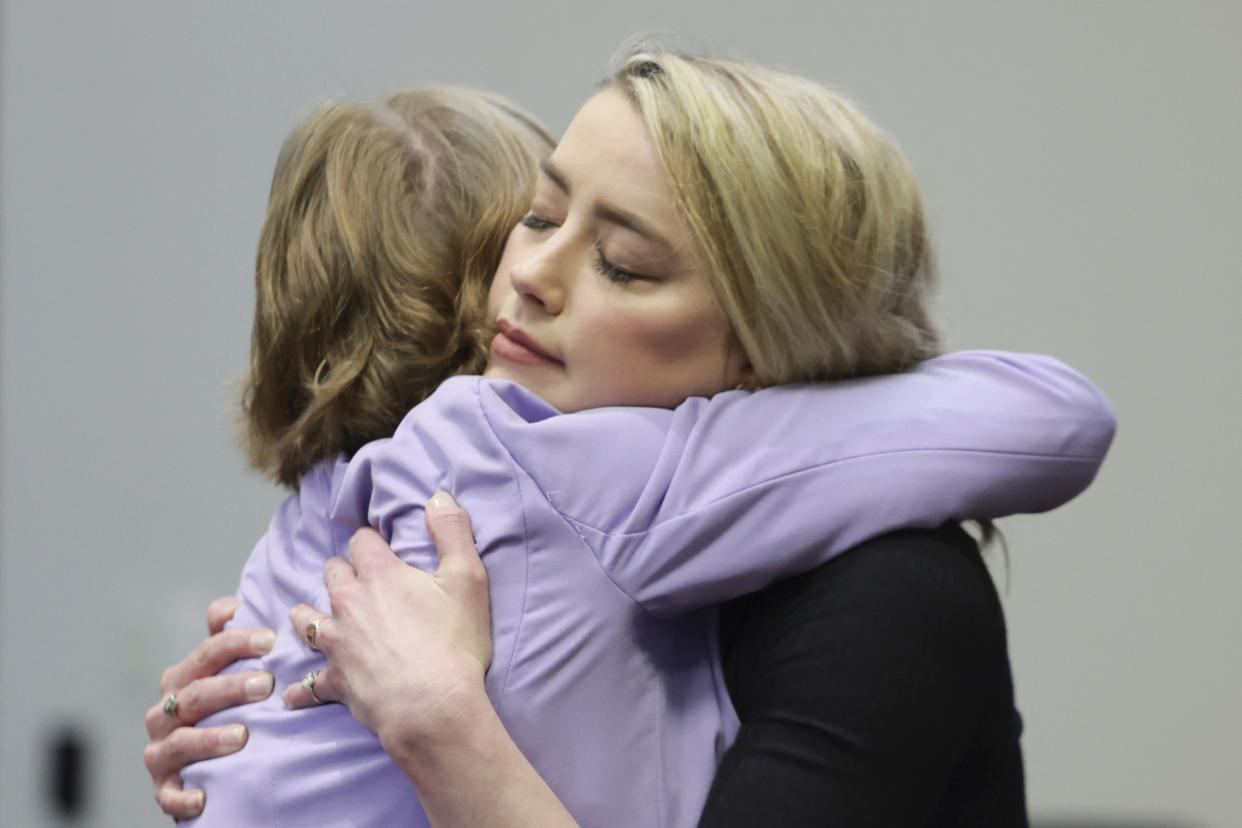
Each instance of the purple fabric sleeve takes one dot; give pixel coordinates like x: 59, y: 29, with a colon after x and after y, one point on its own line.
x: 805, y: 472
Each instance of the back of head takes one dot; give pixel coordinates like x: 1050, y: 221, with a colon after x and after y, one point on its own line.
x: 806, y: 216
x: 384, y: 227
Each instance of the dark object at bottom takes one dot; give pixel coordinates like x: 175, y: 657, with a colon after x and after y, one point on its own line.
x: 66, y: 772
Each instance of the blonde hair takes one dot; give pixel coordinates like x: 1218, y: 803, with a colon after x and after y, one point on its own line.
x: 384, y: 228
x: 806, y: 217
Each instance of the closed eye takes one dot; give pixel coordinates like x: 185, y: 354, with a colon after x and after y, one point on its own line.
x: 534, y: 222
x: 611, y: 272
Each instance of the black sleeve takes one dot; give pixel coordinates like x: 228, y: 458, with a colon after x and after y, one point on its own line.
x: 873, y: 691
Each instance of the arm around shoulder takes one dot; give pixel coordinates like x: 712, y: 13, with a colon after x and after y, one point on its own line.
x: 815, y: 470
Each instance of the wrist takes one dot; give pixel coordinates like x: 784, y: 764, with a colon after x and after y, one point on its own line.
x: 466, y: 769
x: 441, y: 732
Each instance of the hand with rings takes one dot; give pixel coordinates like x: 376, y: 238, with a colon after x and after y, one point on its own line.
x: 318, y: 686
x: 439, y: 620
x: 401, y: 643
x: 191, y: 691
x: 309, y: 682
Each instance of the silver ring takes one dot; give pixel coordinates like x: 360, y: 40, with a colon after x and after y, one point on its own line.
x: 312, y: 632
x: 170, y: 705
x: 309, y: 684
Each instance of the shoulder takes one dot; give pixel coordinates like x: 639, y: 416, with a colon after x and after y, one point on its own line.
x: 908, y: 600
x: 882, y: 672
x: 591, y: 466
x: 912, y: 572
x: 310, y: 500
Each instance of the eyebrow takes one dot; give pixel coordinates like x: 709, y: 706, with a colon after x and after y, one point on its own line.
x: 605, y: 211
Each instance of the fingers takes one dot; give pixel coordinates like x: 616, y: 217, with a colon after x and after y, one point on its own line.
x: 177, y: 803
x: 199, y: 693
x: 327, y: 688
x: 219, y: 612
x: 165, y: 759
x: 296, y: 696
x: 450, y: 529
x: 312, y: 625
x: 338, y: 571
x: 369, y: 551
x: 200, y: 698
x: 216, y: 652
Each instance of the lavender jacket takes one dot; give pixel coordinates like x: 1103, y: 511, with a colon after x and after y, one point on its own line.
x: 607, y: 534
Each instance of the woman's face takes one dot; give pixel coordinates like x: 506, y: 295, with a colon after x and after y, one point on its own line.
x: 599, y: 297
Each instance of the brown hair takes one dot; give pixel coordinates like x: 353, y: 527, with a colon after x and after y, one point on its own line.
x: 384, y: 227
x: 807, y: 218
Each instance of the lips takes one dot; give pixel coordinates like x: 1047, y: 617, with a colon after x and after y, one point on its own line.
x: 513, y: 344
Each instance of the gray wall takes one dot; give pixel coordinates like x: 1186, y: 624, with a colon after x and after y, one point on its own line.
x: 1081, y: 166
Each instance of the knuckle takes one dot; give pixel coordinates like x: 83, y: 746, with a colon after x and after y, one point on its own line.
x: 452, y: 519
x: 202, y: 656
x: 296, y: 697
x: 235, y: 642
x: 167, y: 797
x: 151, y: 757
x: 465, y: 569
x: 360, y: 539
x: 153, y: 719
x: 188, y: 701
x: 326, y: 638
x: 475, y: 574
x: 174, y: 752
x: 326, y: 687
x: 167, y: 680
x: 339, y: 594
x: 169, y: 752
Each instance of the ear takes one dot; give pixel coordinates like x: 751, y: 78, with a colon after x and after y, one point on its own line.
x: 744, y: 376
x: 749, y: 380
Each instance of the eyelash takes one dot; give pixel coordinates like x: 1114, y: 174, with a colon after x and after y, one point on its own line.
x: 610, y: 271
x: 534, y: 222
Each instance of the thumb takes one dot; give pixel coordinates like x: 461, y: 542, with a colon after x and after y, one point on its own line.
x: 450, y: 529
x: 220, y: 612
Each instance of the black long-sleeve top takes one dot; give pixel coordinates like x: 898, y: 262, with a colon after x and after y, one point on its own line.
x: 873, y: 691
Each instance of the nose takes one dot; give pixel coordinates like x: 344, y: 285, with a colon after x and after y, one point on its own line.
x: 539, y: 277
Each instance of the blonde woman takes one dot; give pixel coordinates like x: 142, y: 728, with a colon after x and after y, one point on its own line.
x: 632, y: 282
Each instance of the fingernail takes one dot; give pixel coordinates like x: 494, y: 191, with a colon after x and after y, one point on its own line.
x: 196, y: 801
x: 263, y: 642
x: 441, y: 499
x: 232, y: 737
x: 287, y: 695
x: 260, y: 687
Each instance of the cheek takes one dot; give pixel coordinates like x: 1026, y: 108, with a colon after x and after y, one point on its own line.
x: 501, y: 287
x: 496, y: 295
x: 676, y: 337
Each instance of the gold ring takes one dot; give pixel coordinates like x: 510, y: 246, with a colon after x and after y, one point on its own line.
x: 312, y: 632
